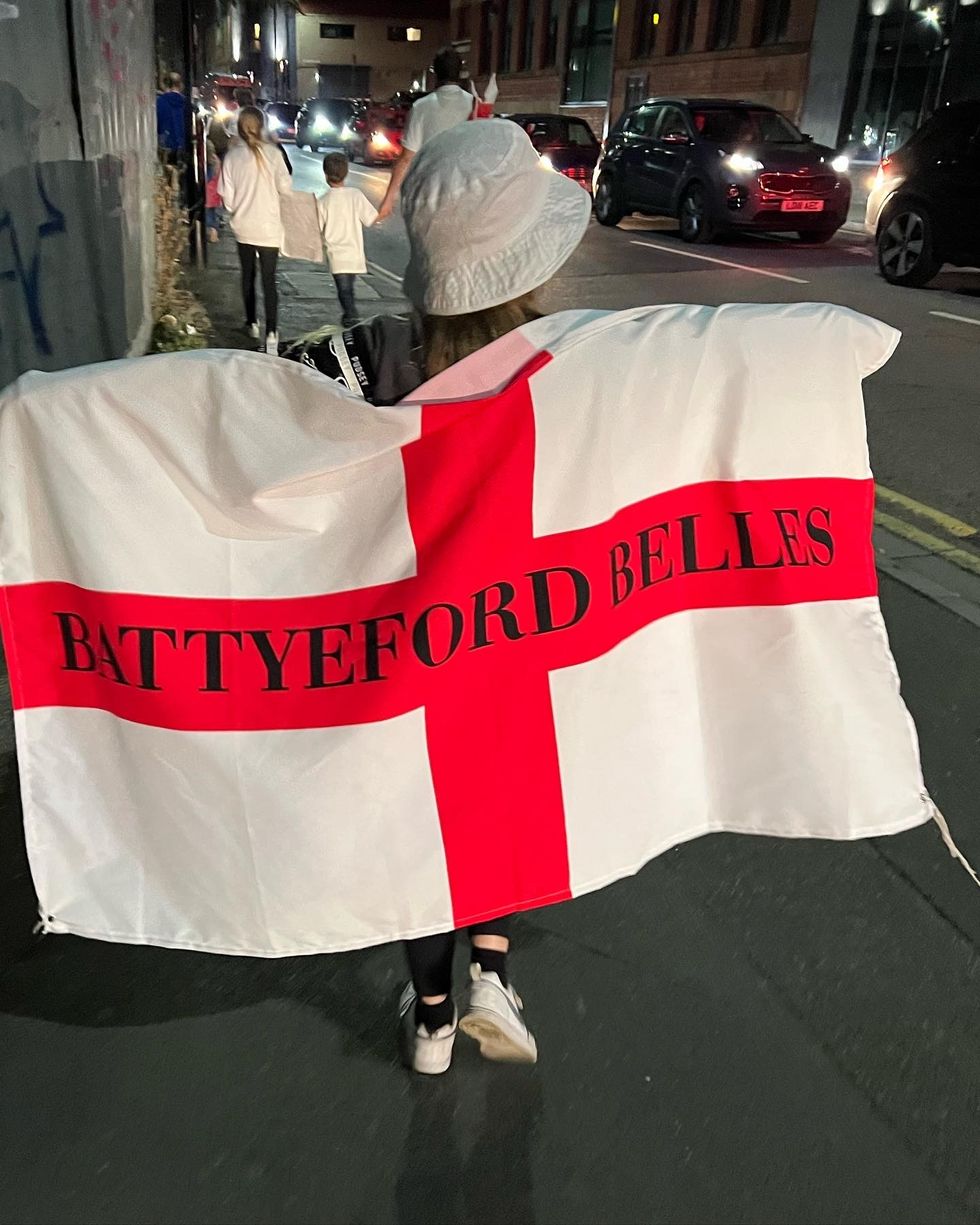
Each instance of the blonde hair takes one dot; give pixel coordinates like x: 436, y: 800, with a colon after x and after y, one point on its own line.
x: 447, y: 339
x: 251, y: 128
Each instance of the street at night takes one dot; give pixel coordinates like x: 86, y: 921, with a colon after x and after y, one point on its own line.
x: 747, y: 1029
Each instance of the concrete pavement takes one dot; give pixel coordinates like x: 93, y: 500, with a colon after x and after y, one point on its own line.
x: 749, y: 1030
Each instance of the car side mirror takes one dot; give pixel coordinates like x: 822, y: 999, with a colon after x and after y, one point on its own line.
x: 807, y: 137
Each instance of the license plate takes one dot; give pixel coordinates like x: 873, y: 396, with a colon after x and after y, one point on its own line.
x: 802, y: 206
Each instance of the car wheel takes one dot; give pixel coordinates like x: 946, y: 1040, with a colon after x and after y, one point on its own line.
x: 906, y: 254
x: 607, y: 204
x: 816, y: 236
x: 696, y: 225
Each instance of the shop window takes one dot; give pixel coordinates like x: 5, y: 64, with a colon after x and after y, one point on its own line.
x: 682, y: 32
x: 724, y: 25
x: 589, y: 62
x: 527, y: 42
x: 550, y: 56
x: 774, y: 22
x: 647, y: 26
x: 488, y: 23
x: 506, y: 47
x: 331, y: 30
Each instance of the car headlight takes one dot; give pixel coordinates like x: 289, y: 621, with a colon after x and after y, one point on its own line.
x: 322, y: 124
x: 840, y: 164
x: 741, y: 163
x: 274, y: 123
x: 546, y: 162
x: 222, y: 112
x: 346, y: 133
x: 380, y: 141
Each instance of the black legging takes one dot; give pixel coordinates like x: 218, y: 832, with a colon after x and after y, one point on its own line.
x: 430, y: 958
x: 267, y: 258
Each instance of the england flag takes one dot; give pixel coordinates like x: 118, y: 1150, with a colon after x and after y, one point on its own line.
x: 294, y: 674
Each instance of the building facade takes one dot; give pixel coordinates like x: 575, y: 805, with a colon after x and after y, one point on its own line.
x: 367, y: 48
x: 859, y: 74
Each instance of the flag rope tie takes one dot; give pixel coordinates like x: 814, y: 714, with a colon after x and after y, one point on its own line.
x: 951, y: 846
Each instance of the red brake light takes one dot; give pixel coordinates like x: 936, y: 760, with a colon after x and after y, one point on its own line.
x: 885, y: 164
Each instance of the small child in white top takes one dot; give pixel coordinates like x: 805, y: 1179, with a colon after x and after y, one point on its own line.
x: 343, y: 213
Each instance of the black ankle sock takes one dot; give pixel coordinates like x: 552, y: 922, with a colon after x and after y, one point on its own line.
x: 493, y: 961
x: 434, y: 1016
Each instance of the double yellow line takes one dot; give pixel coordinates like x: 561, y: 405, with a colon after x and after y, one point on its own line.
x: 951, y: 526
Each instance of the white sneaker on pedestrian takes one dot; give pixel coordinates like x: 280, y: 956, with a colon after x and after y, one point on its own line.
x: 272, y: 343
x: 495, y: 1019
x: 253, y: 330
x: 428, y: 1053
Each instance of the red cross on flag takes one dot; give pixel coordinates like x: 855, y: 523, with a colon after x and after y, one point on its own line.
x: 294, y: 674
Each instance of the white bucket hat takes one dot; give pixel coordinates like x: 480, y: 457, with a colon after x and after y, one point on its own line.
x: 486, y: 220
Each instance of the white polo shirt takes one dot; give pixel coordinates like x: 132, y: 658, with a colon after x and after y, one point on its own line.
x: 435, y: 113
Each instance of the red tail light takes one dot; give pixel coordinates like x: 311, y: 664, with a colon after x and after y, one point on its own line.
x: 885, y: 165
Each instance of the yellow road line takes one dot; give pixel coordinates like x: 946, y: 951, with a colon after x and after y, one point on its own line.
x: 949, y: 552
x: 955, y: 527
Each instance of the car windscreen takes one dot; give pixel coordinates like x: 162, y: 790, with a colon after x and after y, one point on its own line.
x: 556, y: 130
x: 337, y: 110
x: 739, y: 125
x: 284, y: 111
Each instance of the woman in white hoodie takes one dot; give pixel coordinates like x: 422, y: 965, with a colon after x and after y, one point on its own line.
x: 253, y: 177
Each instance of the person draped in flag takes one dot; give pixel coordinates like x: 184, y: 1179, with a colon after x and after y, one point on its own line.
x: 468, y: 296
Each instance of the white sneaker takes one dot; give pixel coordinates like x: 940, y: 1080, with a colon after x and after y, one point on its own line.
x: 495, y: 1019
x: 272, y: 343
x: 253, y: 330
x: 428, y: 1053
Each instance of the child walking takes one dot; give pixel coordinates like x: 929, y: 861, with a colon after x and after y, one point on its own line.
x: 343, y: 213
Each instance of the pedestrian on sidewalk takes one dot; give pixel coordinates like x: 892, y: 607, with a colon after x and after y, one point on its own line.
x: 344, y: 213
x: 470, y: 291
x: 172, y: 118
x: 253, y: 177
x: 447, y: 105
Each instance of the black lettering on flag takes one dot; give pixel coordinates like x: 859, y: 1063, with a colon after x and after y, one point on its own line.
x: 790, y: 533
x: 541, y: 588
x: 482, y: 614
x: 71, y: 642
x: 621, y: 571
x: 422, y: 641
x: 648, y: 555
x: 820, y: 536
x: 273, y: 662
x: 747, y: 558
x: 689, y: 548
x: 373, y: 646
x: 213, y: 672
x: 319, y: 654
x: 108, y: 659
x: 147, y: 645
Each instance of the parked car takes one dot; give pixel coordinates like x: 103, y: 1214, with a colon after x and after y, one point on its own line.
x: 923, y: 207
x: 280, y: 119
x: 565, y: 144
x: 325, y: 123
x: 719, y: 165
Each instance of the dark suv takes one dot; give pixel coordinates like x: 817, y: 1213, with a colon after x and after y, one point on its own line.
x: 718, y: 165
x: 923, y: 207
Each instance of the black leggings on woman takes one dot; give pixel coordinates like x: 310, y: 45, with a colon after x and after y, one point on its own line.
x: 267, y: 258
x: 430, y: 958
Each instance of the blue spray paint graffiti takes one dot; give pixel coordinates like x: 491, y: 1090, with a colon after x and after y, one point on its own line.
x: 28, y: 274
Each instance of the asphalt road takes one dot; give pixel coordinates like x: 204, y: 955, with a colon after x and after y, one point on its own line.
x: 750, y: 1030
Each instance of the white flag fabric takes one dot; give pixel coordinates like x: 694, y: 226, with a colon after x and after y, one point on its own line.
x: 301, y: 238
x: 293, y: 674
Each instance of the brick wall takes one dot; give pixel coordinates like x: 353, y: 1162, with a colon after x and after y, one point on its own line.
x: 774, y: 75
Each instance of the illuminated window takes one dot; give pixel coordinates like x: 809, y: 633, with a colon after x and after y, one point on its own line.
x: 330, y: 30
x: 647, y: 25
